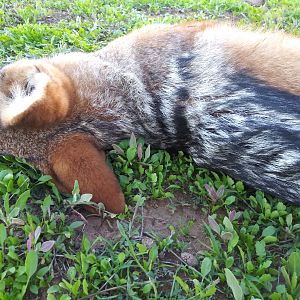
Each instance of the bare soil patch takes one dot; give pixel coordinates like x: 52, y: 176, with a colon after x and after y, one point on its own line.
x: 155, y: 218
x: 56, y: 17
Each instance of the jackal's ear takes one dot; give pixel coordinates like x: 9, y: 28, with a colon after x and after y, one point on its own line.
x: 77, y: 158
x: 33, y: 96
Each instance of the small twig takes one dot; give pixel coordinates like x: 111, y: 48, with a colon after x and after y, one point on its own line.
x: 143, y: 225
x: 94, y: 215
x: 60, y: 255
x: 79, y: 215
x: 159, y: 219
x: 278, y: 277
x: 53, y: 261
x: 132, y: 220
x: 171, y: 263
x: 105, y: 284
x: 204, y: 245
x: 284, y: 242
x: 109, y: 224
x: 104, y: 291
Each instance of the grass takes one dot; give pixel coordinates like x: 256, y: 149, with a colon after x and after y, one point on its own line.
x: 253, y: 249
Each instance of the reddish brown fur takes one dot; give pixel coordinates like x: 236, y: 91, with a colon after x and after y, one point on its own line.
x: 164, y: 36
x: 77, y: 158
x: 60, y: 91
x: 153, y: 43
x: 187, y: 28
x: 266, y: 56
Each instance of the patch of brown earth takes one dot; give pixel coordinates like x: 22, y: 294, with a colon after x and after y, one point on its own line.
x: 155, y: 218
x: 256, y: 2
x: 56, y: 17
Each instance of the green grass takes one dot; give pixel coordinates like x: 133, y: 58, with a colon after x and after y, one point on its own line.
x: 254, y: 238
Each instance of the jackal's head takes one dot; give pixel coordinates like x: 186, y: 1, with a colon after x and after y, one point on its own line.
x: 33, y: 93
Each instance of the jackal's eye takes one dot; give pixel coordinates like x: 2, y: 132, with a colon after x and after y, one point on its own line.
x: 28, y: 88
x: 9, y: 94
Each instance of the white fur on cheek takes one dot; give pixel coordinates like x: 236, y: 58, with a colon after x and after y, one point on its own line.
x: 20, y: 101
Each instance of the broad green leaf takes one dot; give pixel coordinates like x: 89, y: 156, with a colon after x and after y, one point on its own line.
x: 131, y: 154
x: 239, y: 186
x: 41, y: 272
x: 21, y: 202
x: 214, y: 225
x: 153, y: 253
x: 270, y: 239
x: 228, y: 225
x: 184, y: 286
x: 50, y: 297
x: 118, y: 149
x: 147, y: 153
x: 34, y: 289
x: 86, y: 244
x: 270, y: 230
x: 76, y: 287
x: 142, y: 248
x: 53, y: 289
x: 76, y: 224
x: 121, y: 229
x: 285, y: 276
x: 6, y: 203
x: 121, y: 257
x: 289, y: 220
x: 132, y: 141
x: 260, y: 248
x: 3, y: 234
x: 85, y: 287
x: 147, y: 288
x: 45, y: 178
x: 86, y: 197
x: 206, y: 266
x: 293, y: 263
x: 46, y: 204
x: 153, y: 178
x: 281, y: 288
x: 31, y: 263
x: 84, y: 263
x: 234, y: 285
x: 76, y: 189
x: 71, y: 273
x: 229, y: 262
x: 294, y: 281
x: 233, y: 242
x: 14, y: 213
x: 197, y: 286
x: 37, y: 233
x: 210, y: 290
x: 229, y: 200
x: 266, y: 264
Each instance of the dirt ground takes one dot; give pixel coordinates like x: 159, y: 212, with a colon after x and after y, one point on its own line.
x: 154, y: 218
